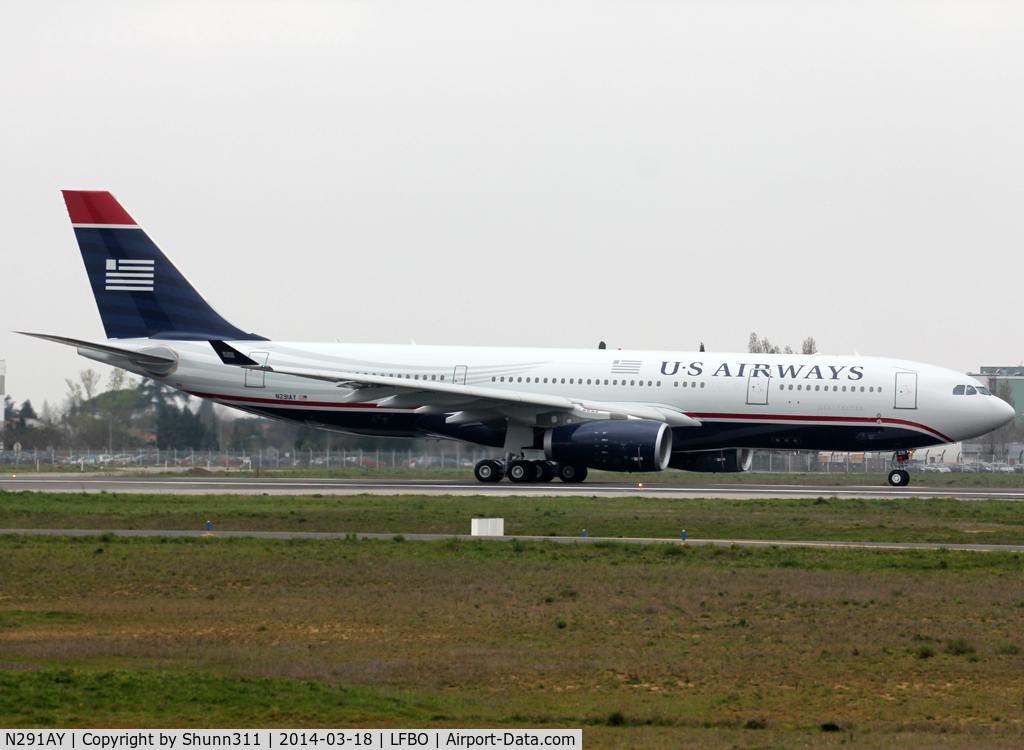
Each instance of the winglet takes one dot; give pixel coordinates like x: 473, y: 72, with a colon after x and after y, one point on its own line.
x: 231, y: 356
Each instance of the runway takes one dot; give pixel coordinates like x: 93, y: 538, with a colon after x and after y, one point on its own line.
x: 227, y: 485
x: 556, y: 539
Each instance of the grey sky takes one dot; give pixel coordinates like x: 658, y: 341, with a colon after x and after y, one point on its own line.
x: 553, y: 173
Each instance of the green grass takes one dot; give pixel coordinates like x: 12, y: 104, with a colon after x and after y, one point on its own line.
x: 704, y: 647
x: 939, y: 521
x: 642, y: 645
x: 145, y: 697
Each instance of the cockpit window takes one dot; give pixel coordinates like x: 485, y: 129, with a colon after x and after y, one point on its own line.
x: 970, y: 390
x: 959, y: 390
x: 984, y: 391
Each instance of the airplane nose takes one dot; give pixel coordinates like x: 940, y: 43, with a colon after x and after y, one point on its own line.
x: 1005, y: 412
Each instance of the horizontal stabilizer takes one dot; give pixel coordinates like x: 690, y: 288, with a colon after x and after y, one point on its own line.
x: 158, y: 360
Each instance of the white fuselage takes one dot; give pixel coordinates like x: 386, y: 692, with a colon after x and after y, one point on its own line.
x: 810, y: 402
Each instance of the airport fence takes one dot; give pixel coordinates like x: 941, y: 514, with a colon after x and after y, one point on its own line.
x: 448, y: 457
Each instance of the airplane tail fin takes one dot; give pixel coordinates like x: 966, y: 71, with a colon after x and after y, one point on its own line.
x: 139, y: 292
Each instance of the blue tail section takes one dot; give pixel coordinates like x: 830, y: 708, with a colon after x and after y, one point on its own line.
x: 139, y: 292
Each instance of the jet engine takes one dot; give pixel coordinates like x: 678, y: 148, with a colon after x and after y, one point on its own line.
x: 612, y: 444
x: 722, y: 461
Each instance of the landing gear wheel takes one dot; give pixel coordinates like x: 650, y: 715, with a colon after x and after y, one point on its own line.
x: 899, y: 478
x: 572, y: 473
x: 521, y: 472
x: 487, y: 471
x: 545, y: 471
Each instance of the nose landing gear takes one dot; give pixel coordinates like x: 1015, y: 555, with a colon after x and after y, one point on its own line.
x: 899, y: 476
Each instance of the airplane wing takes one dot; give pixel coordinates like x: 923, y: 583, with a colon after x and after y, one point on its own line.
x: 469, y: 403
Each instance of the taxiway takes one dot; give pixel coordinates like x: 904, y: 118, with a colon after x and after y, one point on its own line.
x: 226, y: 485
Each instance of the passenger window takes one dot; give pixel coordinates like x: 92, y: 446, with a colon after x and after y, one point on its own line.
x: 519, y: 380
x: 701, y: 385
x: 563, y: 381
x: 799, y: 387
x: 675, y: 384
x: 632, y: 382
x: 442, y: 377
x: 844, y: 389
x: 658, y: 384
x: 493, y: 379
x: 971, y: 391
x: 782, y: 387
x: 862, y: 389
x: 817, y: 387
x: 871, y: 389
x: 606, y: 382
x: 588, y: 381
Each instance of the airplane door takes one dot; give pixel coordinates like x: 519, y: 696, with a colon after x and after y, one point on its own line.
x: 460, y: 375
x: 906, y: 390
x: 757, y: 388
x: 255, y: 378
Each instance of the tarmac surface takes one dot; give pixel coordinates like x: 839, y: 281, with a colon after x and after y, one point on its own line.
x: 558, y: 539
x: 223, y: 485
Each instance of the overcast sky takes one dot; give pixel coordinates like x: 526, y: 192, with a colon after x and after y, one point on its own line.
x: 653, y: 174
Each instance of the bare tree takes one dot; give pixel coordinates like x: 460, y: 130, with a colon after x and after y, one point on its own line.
x: 761, y: 345
x: 810, y: 346
x: 120, y: 381
x: 90, y: 381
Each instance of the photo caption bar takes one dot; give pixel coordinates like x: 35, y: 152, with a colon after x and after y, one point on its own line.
x: 269, y: 739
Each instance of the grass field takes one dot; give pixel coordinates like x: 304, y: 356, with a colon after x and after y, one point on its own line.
x: 660, y: 646
x: 945, y: 521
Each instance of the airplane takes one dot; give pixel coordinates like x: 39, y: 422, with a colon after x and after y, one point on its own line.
x: 551, y: 412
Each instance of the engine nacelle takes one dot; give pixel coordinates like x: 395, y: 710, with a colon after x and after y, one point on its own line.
x: 722, y: 461
x: 612, y: 444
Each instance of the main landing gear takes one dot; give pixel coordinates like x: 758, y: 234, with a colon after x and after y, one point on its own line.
x: 520, y: 471
x: 899, y: 476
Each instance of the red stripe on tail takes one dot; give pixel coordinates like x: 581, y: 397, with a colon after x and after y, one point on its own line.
x: 95, y: 207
